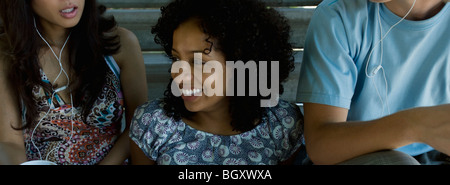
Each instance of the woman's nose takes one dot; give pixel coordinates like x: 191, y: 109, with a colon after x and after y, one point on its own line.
x: 182, y: 73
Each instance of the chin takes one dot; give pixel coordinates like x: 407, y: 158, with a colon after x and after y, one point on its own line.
x: 70, y: 24
x: 192, y: 108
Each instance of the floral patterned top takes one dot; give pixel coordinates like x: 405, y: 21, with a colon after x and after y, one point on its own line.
x: 91, y: 141
x: 170, y: 142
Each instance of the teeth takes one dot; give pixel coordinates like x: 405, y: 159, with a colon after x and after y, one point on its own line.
x: 67, y: 10
x: 189, y: 92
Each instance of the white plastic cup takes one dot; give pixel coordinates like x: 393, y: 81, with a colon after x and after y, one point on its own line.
x: 38, y: 162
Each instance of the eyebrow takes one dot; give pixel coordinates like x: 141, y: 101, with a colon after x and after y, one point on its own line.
x: 195, y: 51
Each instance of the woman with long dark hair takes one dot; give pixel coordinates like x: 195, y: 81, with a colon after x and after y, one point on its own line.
x: 200, y: 127
x: 67, y: 76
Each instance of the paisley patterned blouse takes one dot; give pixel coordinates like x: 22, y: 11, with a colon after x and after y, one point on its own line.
x: 170, y: 142
x: 90, y: 141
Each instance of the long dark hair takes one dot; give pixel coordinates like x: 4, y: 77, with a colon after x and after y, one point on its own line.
x: 244, y: 30
x: 88, y: 45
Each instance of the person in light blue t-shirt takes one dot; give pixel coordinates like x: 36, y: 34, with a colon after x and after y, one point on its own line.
x: 384, y: 78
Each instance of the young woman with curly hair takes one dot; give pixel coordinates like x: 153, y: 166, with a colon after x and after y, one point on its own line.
x: 67, y: 75
x: 198, y: 129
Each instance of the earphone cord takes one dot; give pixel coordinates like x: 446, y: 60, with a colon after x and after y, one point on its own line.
x: 380, y: 66
x: 53, y: 94
x: 60, y: 53
x: 385, y: 35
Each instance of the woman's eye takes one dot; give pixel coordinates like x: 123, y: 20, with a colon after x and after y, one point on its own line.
x: 174, y: 59
x: 199, y: 62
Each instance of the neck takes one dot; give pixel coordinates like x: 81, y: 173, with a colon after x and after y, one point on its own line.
x: 423, y: 9
x: 215, y: 122
x: 54, y: 35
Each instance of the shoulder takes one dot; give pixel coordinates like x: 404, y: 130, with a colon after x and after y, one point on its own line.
x: 285, y: 113
x: 145, y: 118
x: 340, y: 14
x: 129, y: 46
x: 151, y: 128
x: 343, y: 5
x: 150, y: 115
x: 285, y: 108
x: 338, y: 26
x: 126, y: 36
x: 336, y: 12
x: 149, y: 109
x: 285, y: 126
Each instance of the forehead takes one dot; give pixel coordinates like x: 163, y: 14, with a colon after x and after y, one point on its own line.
x: 189, y: 36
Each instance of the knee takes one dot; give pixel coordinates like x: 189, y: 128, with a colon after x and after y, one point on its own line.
x: 389, y: 157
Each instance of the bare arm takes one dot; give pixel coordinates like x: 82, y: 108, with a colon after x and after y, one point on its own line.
x: 134, y: 86
x: 330, y: 139
x: 12, y: 147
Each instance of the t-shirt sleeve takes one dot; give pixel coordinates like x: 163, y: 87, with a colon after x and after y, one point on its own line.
x: 142, y: 130
x: 288, y: 133
x: 328, y: 73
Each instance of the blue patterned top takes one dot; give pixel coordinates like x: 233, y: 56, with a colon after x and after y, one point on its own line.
x: 170, y: 142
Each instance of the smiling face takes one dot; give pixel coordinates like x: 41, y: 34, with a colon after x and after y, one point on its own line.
x: 57, y: 13
x: 188, y: 39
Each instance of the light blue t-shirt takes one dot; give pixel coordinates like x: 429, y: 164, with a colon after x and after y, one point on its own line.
x: 416, y: 61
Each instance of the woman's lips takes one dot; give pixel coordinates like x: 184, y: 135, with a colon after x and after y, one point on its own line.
x: 191, y: 94
x: 69, y: 12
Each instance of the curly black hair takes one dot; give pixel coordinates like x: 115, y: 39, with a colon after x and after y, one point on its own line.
x: 243, y: 30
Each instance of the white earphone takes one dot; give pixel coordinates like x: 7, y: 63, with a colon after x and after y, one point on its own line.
x: 61, y: 89
x: 54, y: 92
x: 379, y: 67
